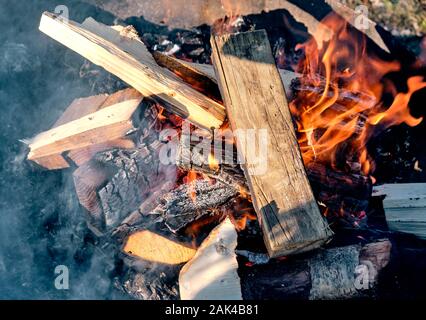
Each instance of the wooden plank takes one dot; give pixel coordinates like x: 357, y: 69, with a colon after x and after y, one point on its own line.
x: 153, y: 247
x: 80, y: 108
x: 116, y: 55
x: 405, y: 207
x: 107, y: 124
x: 212, y: 272
x: 255, y: 99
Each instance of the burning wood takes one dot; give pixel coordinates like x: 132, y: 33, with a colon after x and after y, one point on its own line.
x: 251, y: 105
x: 336, y: 273
x: 156, y: 213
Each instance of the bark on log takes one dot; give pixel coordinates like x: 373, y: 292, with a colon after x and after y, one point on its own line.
x: 337, y: 273
x: 123, y: 54
x: 255, y: 99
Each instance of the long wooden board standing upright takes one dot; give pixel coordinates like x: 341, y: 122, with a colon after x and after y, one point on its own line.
x: 255, y: 99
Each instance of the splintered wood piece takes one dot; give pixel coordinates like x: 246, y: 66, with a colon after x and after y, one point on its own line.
x: 105, y: 124
x: 153, y: 247
x: 212, y: 272
x: 405, y: 207
x: 124, y: 55
x: 255, y: 100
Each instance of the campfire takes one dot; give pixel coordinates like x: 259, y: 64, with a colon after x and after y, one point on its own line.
x: 247, y: 173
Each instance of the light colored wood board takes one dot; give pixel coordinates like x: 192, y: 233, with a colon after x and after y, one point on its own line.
x: 52, y: 162
x: 83, y: 155
x: 121, y: 96
x: 80, y: 108
x: 212, y: 272
x: 140, y: 72
x: 402, y: 195
x: 255, y: 99
x: 153, y: 247
x: 104, y: 125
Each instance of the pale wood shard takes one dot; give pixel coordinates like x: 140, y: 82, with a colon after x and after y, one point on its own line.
x: 255, y: 99
x: 405, y: 207
x: 212, y: 272
x: 107, y: 124
x: 153, y: 247
x: 81, y: 107
x: 116, y: 52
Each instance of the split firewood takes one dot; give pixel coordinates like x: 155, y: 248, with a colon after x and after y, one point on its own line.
x: 255, y: 99
x: 336, y: 273
x: 405, y: 207
x: 89, y: 125
x: 203, y: 77
x: 212, y: 272
x: 154, y: 247
x: 123, y: 54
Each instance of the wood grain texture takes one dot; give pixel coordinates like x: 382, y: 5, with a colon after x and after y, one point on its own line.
x: 107, y: 124
x: 255, y: 99
x: 80, y: 142
x: 151, y: 246
x: 116, y: 52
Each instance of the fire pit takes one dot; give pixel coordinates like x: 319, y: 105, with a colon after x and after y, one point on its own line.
x: 272, y: 156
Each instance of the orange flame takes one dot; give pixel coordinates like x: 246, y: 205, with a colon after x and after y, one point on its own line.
x: 339, y: 100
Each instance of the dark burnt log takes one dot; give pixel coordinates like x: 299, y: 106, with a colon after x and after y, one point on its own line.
x: 335, y: 189
x: 336, y: 273
x: 179, y: 208
x: 139, y: 172
x: 150, y: 283
x: 191, y: 201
